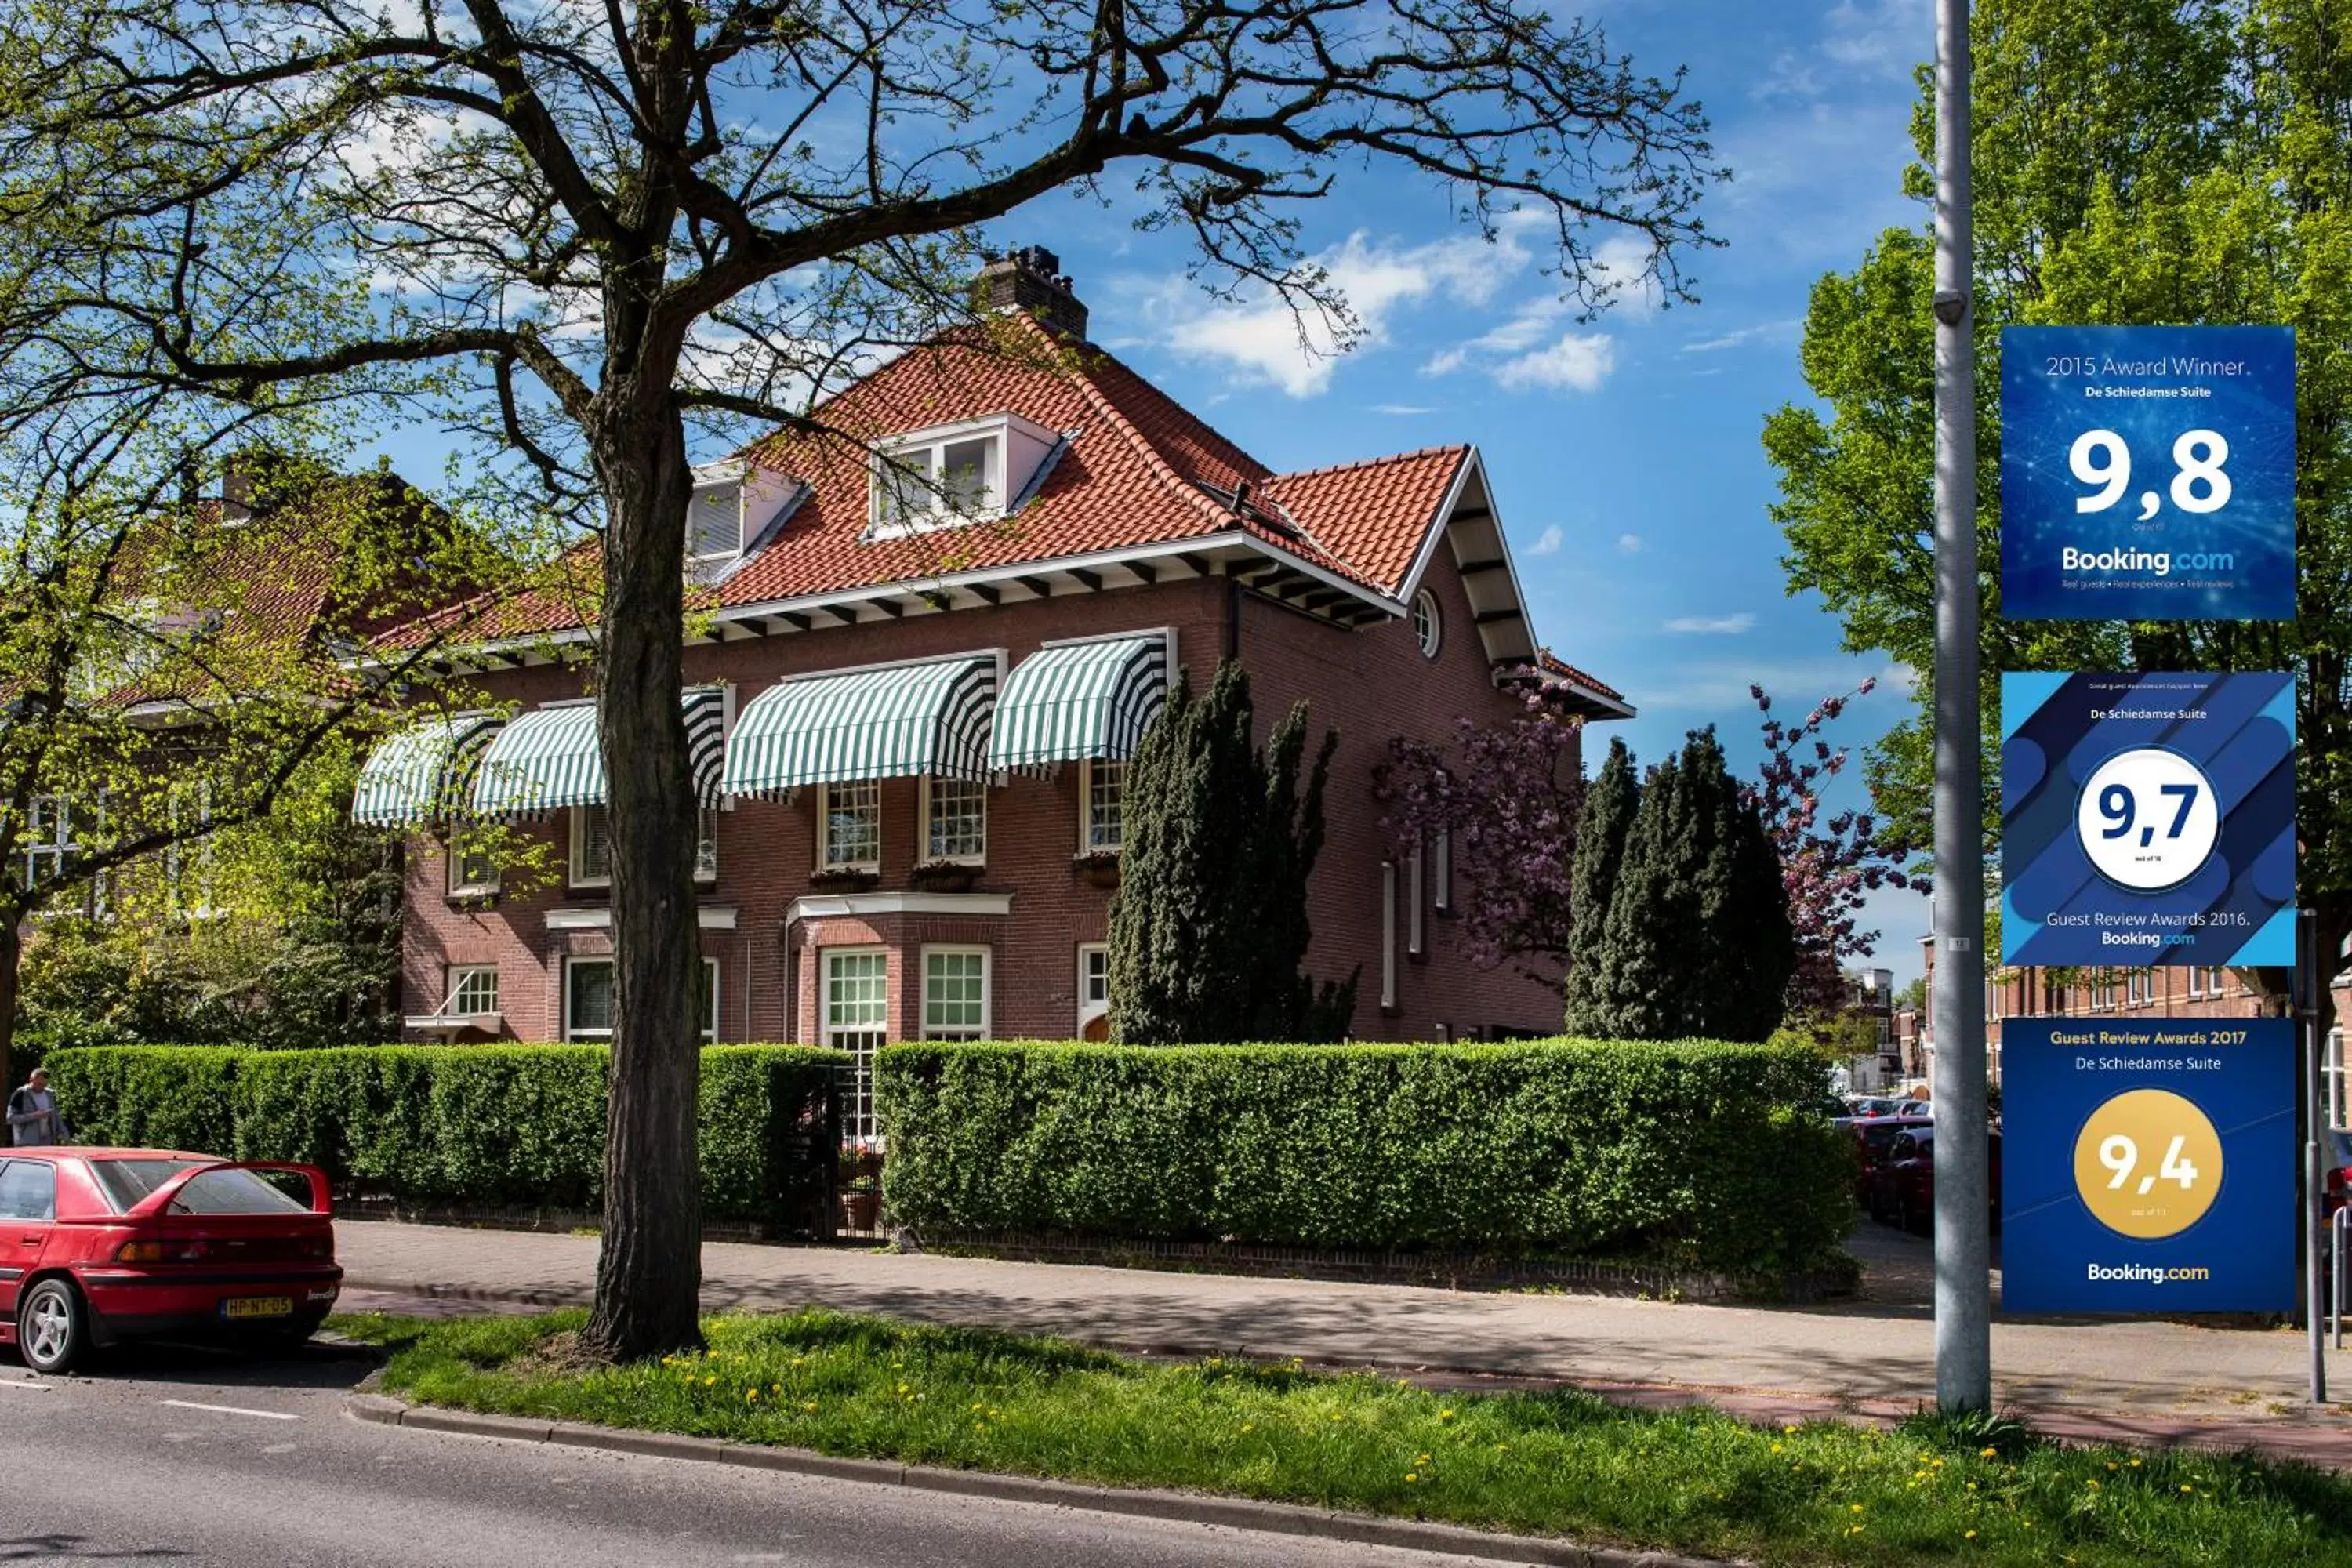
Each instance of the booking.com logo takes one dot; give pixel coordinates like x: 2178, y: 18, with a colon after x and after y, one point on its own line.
x: 2156, y: 563
x: 2148, y: 1274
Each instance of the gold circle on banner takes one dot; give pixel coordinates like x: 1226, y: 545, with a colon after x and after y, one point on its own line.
x: 2147, y: 1164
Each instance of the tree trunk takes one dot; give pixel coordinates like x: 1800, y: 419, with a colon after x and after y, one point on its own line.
x: 12, y: 949
x: 649, y: 1271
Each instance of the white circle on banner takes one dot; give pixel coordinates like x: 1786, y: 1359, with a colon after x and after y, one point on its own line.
x: 2147, y: 820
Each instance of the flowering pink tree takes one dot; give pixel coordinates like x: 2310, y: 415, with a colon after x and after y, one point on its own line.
x: 1507, y: 799
x: 1831, y: 864
x: 1510, y: 796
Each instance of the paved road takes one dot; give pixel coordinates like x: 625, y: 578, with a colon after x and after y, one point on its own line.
x: 201, y: 1460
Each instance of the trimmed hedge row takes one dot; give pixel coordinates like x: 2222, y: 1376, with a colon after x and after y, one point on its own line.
x: 1691, y: 1152
x: 480, y: 1124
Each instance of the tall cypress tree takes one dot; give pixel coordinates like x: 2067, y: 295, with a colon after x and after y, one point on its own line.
x: 1609, y: 808
x: 1642, y: 980
x: 1209, y: 928
x: 1746, y: 945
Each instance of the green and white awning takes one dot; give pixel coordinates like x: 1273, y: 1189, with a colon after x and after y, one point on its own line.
x: 547, y: 759
x: 419, y: 775
x: 907, y: 719
x: 1082, y: 700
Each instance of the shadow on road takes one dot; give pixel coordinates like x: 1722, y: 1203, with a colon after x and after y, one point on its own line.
x: 74, y: 1549
x: 310, y: 1367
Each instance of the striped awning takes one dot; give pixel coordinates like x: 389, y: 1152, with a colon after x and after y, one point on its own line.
x: 1083, y: 700
x: 417, y: 775
x: 907, y: 719
x: 547, y: 759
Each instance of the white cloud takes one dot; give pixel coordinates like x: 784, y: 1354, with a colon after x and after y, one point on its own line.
x: 1780, y: 331
x: 1549, y: 541
x: 1883, y: 39
x: 1261, y: 338
x: 1628, y: 545
x: 1620, y: 263
x: 1719, y: 686
x: 1403, y: 408
x: 1579, y: 361
x: 1711, y: 626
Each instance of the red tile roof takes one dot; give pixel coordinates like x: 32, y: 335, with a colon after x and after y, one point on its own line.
x: 1136, y: 469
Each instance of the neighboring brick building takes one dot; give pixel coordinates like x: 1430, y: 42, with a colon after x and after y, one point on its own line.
x: 928, y: 666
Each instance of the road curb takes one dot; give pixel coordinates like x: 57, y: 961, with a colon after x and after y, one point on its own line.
x: 1187, y: 1508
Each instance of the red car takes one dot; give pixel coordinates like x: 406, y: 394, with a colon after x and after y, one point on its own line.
x: 102, y: 1245
x: 1903, y: 1186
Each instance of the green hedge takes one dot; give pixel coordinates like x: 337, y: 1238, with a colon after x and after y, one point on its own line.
x: 1692, y: 1151
x: 477, y: 1124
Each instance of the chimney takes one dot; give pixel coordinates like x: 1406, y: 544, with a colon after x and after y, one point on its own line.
x: 1031, y: 280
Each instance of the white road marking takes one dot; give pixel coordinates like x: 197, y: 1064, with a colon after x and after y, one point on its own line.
x: 25, y: 1383
x: 230, y: 1410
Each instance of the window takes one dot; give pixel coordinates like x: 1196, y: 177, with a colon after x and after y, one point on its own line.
x: 930, y: 484
x: 857, y: 1020
x: 49, y: 842
x: 955, y: 992
x: 1094, y: 991
x: 849, y: 826
x: 587, y: 999
x: 955, y: 820
x: 473, y: 991
x: 1428, y: 627
x: 188, y: 862
x: 1444, y: 897
x: 1102, y: 786
x: 28, y: 1190
x: 473, y: 870
x: 592, y: 847
x: 714, y: 521
x: 2196, y: 982
x: 588, y: 1003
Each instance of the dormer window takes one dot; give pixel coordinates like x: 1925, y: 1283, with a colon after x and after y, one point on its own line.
x: 734, y: 506
x: 971, y: 471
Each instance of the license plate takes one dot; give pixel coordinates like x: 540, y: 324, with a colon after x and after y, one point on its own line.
x: 258, y: 1307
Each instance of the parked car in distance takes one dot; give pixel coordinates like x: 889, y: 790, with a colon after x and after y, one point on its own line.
x: 2336, y: 1152
x: 1872, y: 1137
x: 97, y: 1245
x: 1903, y: 1184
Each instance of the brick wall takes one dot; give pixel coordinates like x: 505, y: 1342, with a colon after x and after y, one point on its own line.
x: 1371, y: 684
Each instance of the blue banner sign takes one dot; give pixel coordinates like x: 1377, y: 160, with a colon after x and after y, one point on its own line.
x: 2147, y: 473
x: 2148, y: 1166
x: 2147, y: 820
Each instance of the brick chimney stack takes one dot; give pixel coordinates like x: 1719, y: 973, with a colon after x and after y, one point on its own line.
x: 1031, y: 280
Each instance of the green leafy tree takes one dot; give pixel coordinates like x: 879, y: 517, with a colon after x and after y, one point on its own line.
x: 1696, y: 941
x: 1208, y: 930
x: 572, y: 229
x: 1609, y: 808
x: 2136, y: 162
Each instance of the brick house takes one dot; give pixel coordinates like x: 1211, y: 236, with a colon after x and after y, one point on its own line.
x: 924, y: 641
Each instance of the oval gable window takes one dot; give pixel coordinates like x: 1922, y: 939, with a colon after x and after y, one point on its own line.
x: 1427, y: 628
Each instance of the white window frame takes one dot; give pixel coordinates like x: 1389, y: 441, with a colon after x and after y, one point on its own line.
x: 706, y: 845
x: 1087, y: 842
x: 922, y: 505
x: 858, y: 1124
x: 1387, y: 935
x: 57, y: 844
x: 711, y: 1012
x: 1428, y: 624
x: 1089, y: 1010
x: 459, y: 888
x: 578, y: 848
x: 825, y: 860
x: 576, y: 1037
x: 987, y: 989
x: 972, y: 858
x: 456, y: 978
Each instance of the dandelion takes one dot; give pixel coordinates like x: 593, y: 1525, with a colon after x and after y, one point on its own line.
x: 1971, y: 1535
x: 810, y: 1407
x: 710, y: 1382
x: 750, y: 1396
x: 1776, y: 1448
x: 1988, y: 1453
x: 1446, y: 1416
x: 1410, y: 1476
x: 2093, y: 1483
x: 2188, y: 1489
x: 1249, y: 1426
x: 1787, y: 1430
x: 2135, y: 1464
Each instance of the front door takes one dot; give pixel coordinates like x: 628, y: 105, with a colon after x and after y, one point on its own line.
x: 29, y: 1207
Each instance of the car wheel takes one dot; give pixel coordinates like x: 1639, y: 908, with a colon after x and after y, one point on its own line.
x: 52, y: 1332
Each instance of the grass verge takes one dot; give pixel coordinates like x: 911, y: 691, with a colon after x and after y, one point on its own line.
x: 1559, y: 1463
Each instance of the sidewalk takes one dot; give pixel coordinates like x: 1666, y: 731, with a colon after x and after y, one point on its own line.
x: 2152, y: 1382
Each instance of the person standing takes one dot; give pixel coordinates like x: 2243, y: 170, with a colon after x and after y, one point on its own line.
x: 33, y: 1115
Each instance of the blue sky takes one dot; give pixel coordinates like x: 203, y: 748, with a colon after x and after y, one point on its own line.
x: 1625, y: 452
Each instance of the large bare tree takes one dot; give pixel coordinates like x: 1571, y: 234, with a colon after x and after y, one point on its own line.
x: 577, y: 226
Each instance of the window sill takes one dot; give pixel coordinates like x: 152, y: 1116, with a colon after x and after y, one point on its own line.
x: 472, y: 897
